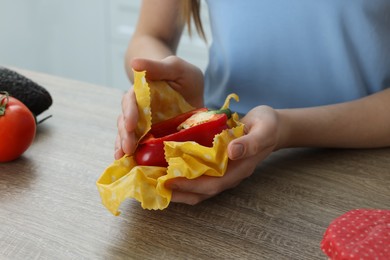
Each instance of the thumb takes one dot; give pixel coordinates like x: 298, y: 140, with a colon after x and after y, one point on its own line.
x: 255, y: 141
x: 156, y: 69
x: 242, y: 147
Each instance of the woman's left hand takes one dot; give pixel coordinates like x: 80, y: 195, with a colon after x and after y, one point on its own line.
x: 262, y: 135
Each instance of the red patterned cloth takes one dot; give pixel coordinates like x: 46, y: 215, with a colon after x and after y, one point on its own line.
x: 359, y: 234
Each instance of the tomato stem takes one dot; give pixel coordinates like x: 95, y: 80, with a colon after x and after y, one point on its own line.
x: 4, y: 98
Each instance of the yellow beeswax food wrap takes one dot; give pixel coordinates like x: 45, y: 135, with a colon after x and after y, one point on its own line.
x: 157, y: 101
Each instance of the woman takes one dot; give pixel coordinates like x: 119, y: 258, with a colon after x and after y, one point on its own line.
x: 308, y: 73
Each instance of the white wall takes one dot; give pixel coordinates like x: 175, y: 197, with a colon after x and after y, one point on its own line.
x: 79, y: 39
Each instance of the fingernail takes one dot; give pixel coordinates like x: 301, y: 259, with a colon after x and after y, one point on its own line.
x: 237, y: 151
x: 123, y: 144
x: 117, y: 153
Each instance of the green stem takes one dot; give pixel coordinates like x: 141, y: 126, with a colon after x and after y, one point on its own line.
x: 4, y: 98
x: 226, y: 111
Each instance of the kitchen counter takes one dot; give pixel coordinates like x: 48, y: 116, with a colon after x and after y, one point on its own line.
x: 51, y: 209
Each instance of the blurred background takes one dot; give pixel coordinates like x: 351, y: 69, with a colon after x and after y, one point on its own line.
x: 80, y: 39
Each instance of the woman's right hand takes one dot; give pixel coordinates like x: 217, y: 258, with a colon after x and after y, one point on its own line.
x: 182, y: 76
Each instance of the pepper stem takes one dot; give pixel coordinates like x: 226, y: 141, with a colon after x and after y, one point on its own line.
x: 225, y: 111
x: 4, y: 98
x: 227, y: 100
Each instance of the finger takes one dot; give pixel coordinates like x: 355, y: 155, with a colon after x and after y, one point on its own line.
x: 118, y: 148
x: 167, y: 69
x: 245, y: 145
x: 256, y: 140
x: 127, y: 139
x: 201, y: 185
x: 140, y: 64
x: 129, y: 143
x: 188, y: 197
x: 210, y: 186
x: 130, y: 111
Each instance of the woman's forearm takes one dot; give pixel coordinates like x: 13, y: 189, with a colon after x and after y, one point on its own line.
x: 158, y: 32
x: 145, y: 47
x: 363, y: 123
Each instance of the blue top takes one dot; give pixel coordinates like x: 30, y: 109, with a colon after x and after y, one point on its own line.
x: 297, y: 53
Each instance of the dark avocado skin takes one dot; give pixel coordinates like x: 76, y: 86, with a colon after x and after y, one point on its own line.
x: 34, y: 96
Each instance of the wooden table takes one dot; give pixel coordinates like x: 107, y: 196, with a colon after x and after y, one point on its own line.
x: 50, y: 207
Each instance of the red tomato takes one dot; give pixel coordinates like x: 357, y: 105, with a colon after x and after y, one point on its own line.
x: 17, y: 128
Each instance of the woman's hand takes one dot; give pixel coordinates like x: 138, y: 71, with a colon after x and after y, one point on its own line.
x: 182, y: 76
x: 185, y: 78
x: 263, y: 134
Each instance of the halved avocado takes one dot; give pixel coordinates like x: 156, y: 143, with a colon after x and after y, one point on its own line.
x: 34, y: 96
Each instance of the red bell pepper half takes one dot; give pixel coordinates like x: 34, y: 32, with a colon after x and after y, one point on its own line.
x: 199, y: 125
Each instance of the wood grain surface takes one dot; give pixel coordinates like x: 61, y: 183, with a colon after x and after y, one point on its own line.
x: 50, y: 207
